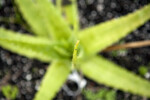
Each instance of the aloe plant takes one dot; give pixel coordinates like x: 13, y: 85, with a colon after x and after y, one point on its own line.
x: 54, y: 42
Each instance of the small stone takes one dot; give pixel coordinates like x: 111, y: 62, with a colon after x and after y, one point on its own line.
x: 90, y: 1
x: 100, y: 1
x: 113, y: 5
x: 41, y: 71
x: 28, y: 77
x: 6, y: 10
x: 37, y: 85
x: 93, y: 14
x: 100, y: 7
x: 109, y: 15
x: 147, y: 75
x: 9, y: 61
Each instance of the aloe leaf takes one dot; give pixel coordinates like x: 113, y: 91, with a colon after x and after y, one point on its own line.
x: 59, y: 28
x: 59, y: 5
x: 71, y: 12
x: 33, y: 17
x: 32, y: 47
x: 54, y: 78
x: 110, y: 74
x: 98, y: 37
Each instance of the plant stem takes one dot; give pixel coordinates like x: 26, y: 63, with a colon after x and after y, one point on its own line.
x: 128, y: 45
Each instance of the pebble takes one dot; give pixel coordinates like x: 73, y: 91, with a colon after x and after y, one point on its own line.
x: 41, y: 71
x: 28, y: 77
x: 100, y: 7
x: 147, y: 75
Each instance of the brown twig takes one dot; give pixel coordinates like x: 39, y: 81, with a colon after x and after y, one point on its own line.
x: 128, y: 45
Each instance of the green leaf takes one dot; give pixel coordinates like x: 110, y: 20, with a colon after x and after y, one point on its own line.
x: 32, y: 47
x: 71, y: 12
x: 59, y: 28
x: 110, y: 74
x: 54, y: 78
x: 97, y: 38
x: 10, y: 92
x: 102, y: 94
x: 33, y: 17
x: 111, y: 95
x: 59, y: 5
x: 143, y: 70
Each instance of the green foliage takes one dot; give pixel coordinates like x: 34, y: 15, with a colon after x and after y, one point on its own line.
x: 72, y: 17
x: 32, y: 47
x: 102, y: 94
x: 108, y: 73
x: 33, y: 17
x: 54, y: 78
x: 103, y: 35
x: 43, y: 23
x: 59, y: 5
x: 118, y: 52
x: 10, y: 92
x: 54, y: 42
x: 143, y: 70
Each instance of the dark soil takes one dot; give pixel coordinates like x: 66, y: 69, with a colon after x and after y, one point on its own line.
x: 26, y: 73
